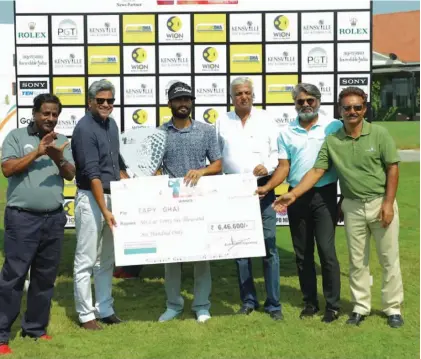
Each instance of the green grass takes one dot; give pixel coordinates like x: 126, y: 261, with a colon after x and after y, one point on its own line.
x: 406, y: 134
x: 141, y: 301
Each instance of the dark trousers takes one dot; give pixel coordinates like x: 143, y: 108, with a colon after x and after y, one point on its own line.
x: 270, y: 263
x: 313, y: 218
x: 31, y: 240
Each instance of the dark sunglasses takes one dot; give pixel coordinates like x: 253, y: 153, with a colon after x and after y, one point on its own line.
x: 356, y: 108
x: 310, y: 101
x: 100, y: 101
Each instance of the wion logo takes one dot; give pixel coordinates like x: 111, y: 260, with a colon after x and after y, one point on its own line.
x: 69, y: 209
x: 210, y: 116
x: 281, y: 24
x: 139, y: 56
x: 174, y: 25
x: 140, y: 117
x: 210, y: 55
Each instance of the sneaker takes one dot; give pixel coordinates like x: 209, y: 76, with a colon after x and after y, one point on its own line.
x: 203, y: 316
x: 169, y: 314
x: 5, y: 349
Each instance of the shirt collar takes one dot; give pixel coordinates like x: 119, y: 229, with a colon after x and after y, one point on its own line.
x: 296, y: 124
x: 99, y: 119
x: 32, y: 129
x: 252, y: 112
x: 170, y: 123
x: 364, y: 132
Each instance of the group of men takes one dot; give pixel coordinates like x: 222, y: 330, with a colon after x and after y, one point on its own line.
x: 311, y: 153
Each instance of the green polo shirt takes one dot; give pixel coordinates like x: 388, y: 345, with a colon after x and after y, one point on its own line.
x: 40, y: 187
x: 360, y: 162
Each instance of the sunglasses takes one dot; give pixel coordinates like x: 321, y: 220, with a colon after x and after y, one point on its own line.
x: 100, y: 101
x: 310, y: 101
x: 356, y: 108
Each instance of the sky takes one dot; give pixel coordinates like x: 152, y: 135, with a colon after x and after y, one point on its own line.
x: 379, y: 7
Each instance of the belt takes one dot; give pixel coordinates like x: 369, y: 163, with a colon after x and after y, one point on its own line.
x: 364, y: 200
x: 39, y: 213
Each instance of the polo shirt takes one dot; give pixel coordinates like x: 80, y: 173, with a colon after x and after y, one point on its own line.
x: 40, y: 187
x: 245, y: 147
x: 96, y: 150
x: 360, y: 162
x: 301, y: 147
x: 188, y: 148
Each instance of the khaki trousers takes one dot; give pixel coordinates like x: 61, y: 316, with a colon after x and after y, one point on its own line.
x: 362, y: 220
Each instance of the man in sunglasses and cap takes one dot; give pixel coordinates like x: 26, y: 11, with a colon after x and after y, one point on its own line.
x: 313, y: 217
x: 366, y: 160
x: 189, y: 144
x: 96, y: 151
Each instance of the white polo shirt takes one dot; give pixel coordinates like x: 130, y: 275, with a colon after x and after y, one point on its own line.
x: 245, y: 147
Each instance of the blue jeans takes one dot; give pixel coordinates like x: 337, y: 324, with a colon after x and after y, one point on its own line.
x: 270, y: 263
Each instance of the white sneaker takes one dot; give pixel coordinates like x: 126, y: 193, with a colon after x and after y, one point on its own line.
x: 203, y: 316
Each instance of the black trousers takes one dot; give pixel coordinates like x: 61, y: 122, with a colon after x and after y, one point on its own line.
x: 31, y: 240
x: 312, y: 218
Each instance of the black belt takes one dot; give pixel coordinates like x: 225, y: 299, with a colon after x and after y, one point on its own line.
x: 39, y: 213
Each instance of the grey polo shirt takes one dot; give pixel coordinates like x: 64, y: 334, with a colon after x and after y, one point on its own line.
x: 188, y: 148
x: 40, y: 187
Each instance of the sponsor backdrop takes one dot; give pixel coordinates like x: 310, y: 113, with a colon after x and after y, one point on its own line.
x: 143, y: 46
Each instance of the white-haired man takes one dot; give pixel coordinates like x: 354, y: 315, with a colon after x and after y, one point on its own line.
x: 248, y: 141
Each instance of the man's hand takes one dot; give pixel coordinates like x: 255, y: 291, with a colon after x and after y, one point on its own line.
x: 340, y: 213
x: 386, y: 214
x: 46, y: 141
x: 262, y: 191
x: 109, y: 218
x: 260, y: 170
x: 192, y: 177
x: 284, y: 201
x: 56, y: 153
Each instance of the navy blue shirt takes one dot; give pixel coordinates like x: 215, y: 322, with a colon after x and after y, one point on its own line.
x: 95, y: 149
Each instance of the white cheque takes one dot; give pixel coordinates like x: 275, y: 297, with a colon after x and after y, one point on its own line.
x: 160, y: 220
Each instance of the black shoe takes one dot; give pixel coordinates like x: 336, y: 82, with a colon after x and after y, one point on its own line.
x: 112, y: 319
x: 308, y: 311
x: 355, y: 319
x: 276, y: 315
x: 330, y: 316
x: 245, y: 310
x: 395, y: 320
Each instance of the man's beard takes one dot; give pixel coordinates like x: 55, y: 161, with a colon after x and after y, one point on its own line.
x: 179, y: 114
x: 308, y: 116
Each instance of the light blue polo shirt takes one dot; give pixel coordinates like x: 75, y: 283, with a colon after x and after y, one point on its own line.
x: 301, y: 147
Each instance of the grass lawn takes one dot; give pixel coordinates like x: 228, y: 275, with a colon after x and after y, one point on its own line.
x: 141, y: 301
x: 405, y: 133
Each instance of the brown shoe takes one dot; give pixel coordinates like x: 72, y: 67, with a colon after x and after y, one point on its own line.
x: 91, y: 325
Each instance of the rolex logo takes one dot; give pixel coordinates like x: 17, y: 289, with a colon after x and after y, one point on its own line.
x: 31, y: 26
x: 353, y: 21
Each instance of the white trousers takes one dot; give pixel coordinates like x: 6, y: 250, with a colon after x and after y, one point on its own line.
x: 94, y: 257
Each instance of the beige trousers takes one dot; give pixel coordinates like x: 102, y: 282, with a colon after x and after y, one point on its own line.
x: 361, y: 221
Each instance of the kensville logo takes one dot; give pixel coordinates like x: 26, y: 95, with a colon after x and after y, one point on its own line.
x: 284, y: 119
x: 103, y: 60
x: 325, y: 89
x: 106, y: 30
x: 69, y: 62
x: 246, y: 58
x: 248, y: 29
x: 176, y: 61
x: 67, y: 30
x: 320, y: 28
x: 140, y: 117
x: 32, y: 34
x: 67, y: 124
x: 213, y: 91
x: 142, y: 92
x: 317, y: 58
x: 210, y: 116
x: 204, y: 28
x: 282, y: 59
x: 353, y: 81
x: 138, y: 28
x: 68, y: 90
x: 353, y: 29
